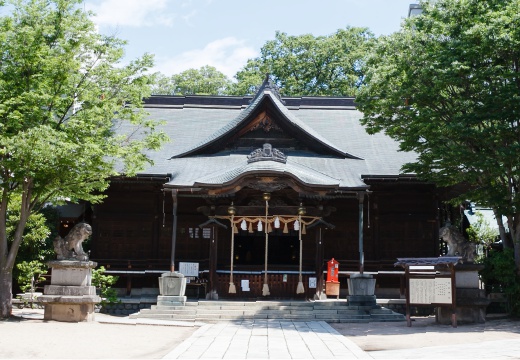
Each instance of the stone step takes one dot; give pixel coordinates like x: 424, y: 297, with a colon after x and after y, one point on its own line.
x: 381, y: 311
x: 172, y: 308
x: 351, y: 312
x: 161, y: 311
x: 214, y: 311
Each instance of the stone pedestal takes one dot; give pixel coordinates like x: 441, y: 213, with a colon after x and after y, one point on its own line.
x: 172, y: 287
x: 361, y: 284
x: 471, y: 301
x: 361, y: 288
x: 70, y: 297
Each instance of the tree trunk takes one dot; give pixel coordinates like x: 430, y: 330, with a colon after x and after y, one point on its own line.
x: 517, y: 256
x: 502, y: 231
x: 6, y: 293
x: 515, y: 235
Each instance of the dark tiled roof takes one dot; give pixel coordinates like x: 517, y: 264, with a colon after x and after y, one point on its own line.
x: 191, y: 122
x: 266, y: 94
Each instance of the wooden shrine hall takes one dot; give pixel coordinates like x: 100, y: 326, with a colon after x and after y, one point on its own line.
x: 259, y: 193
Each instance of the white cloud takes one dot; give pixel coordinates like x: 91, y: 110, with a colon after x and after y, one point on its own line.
x: 134, y: 13
x: 227, y: 55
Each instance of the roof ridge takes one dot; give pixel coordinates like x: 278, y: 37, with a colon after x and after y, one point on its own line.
x: 267, y: 90
x: 268, y: 84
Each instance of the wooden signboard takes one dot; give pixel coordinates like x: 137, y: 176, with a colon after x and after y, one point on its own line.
x: 430, y: 282
x: 430, y: 291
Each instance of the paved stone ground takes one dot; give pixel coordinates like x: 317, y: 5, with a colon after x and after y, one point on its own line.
x: 111, y: 337
x: 425, y: 339
x: 268, y: 339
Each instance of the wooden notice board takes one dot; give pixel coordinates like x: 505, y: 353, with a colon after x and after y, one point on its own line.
x: 430, y: 282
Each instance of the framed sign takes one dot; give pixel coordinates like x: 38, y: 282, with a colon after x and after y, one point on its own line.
x: 189, y: 269
x: 430, y: 291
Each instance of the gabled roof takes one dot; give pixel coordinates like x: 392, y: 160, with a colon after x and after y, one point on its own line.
x: 339, y: 153
x: 266, y: 97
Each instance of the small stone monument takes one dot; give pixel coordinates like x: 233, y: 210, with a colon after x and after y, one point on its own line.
x: 71, y: 297
x: 172, y: 287
x: 361, y: 289
x: 471, y: 300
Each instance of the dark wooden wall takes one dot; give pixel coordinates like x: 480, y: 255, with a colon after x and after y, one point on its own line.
x: 132, y: 228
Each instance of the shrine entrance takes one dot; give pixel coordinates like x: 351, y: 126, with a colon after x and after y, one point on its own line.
x: 283, y: 249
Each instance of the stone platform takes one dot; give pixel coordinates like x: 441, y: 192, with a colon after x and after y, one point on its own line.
x: 322, y: 310
x: 70, y: 297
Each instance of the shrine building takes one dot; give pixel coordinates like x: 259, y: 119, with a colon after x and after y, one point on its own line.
x: 258, y: 193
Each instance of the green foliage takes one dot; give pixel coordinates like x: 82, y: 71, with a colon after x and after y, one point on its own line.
x: 38, y: 235
x: 63, y: 93
x: 162, y: 85
x: 249, y: 78
x: 499, y: 275
x: 447, y: 87
x: 103, y: 283
x: 481, y: 232
x: 204, y: 81
x: 308, y: 65
x: 30, y: 274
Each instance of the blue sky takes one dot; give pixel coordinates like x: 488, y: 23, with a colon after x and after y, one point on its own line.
x: 185, y: 34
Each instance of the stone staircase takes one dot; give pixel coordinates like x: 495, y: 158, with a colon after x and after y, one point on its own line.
x: 326, y: 310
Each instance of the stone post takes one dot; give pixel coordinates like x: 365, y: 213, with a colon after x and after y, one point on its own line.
x: 172, y: 287
x: 70, y: 297
x: 471, y: 301
x: 361, y: 289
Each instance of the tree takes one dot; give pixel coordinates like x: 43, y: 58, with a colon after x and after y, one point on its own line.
x: 36, y: 246
x: 447, y: 86
x: 204, y: 81
x: 62, y: 95
x: 309, y: 65
x: 162, y: 85
x: 249, y: 78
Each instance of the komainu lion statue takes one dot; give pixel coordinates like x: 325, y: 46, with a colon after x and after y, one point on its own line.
x: 457, y: 244
x: 71, y: 248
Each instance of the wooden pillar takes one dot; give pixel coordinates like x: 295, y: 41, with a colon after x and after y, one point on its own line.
x: 157, y: 222
x: 361, y: 198
x: 319, y: 262
x: 213, y: 278
x: 174, y: 230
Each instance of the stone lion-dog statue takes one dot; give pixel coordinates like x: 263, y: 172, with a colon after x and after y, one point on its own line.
x: 71, y: 247
x: 457, y: 244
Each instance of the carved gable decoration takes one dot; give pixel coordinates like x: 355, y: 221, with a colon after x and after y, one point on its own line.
x: 267, y: 153
x: 266, y: 124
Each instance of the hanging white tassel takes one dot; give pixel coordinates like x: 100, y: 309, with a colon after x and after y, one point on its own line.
x: 232, y: 288
x: 277, y: 222
x: 300, y: 289
x: 296, y: 225
x: 243, y: 225
x: 260, y: 228
x: 265, y: 290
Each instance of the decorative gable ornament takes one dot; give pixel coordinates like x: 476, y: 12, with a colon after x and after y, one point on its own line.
x: 268, y: 85
x: 267, y: 153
